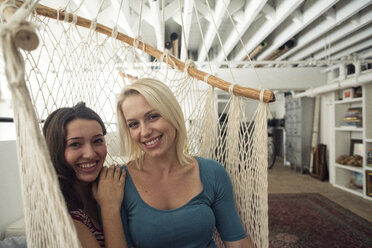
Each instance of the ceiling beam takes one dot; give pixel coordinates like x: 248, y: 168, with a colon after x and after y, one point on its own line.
x: 146, y: 12
x: 199, y: 5
x: 157, y: 24
x: 172, y: 10
x: 124, y: 16
x: 327, y: 24
x: 260, y: 30
x: 219, y: 13
x: 187, y: 15
x: 269, y: 12
x: 341, y: 32
x: 297, y: 17
x: 344, y: 43
x: 287, y: 32
x: 203, y: 9
x: 88, y: 11
x: 366, y: 54
x: 361, y: 46
x: 251, y: 11
x: 56, y: 4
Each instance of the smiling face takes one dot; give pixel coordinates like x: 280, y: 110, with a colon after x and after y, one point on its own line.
x: 85, y: 148
x: 153, y: 134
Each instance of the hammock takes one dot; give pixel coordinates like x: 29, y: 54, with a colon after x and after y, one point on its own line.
x: 71, y: 59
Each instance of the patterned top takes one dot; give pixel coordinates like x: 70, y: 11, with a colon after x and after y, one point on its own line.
x: 83, y: 217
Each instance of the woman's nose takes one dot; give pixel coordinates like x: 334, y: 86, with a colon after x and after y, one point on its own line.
x: 145, y: 130
x: 89, y: 151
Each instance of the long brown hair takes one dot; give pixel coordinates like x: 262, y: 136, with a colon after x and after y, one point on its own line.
x: 55, y: 132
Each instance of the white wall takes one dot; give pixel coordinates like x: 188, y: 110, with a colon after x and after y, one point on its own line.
x: 325, y: 127
x: 277, y: 108
x: 293, y: 78
x: 11, y: 206
x: 7, y: 129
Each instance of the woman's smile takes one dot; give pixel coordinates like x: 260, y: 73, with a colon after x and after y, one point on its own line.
x: 153, y: 143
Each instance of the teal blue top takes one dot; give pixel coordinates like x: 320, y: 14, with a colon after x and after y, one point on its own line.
x: 191, y: 225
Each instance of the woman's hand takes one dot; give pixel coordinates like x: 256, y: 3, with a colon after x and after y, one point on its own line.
x: 109, y: 194
x: 110, y: 190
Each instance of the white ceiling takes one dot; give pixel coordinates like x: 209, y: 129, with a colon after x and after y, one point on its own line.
x: 291, y: 30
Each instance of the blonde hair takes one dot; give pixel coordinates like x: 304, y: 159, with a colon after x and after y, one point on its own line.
x: 161, y: 98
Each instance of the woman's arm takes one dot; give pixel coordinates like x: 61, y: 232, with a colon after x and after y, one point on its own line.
x: 243, y: 243
x: 228, y: 222
x: 109, y: 195
x: 85, y: 236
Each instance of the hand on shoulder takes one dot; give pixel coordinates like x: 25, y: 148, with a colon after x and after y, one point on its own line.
x: 109, y: 192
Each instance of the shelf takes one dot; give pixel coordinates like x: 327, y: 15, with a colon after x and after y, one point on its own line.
x: 348, y: 129
x: 344, y: 137
x: 350, y: 168
x: 358, y: 192
x: 351, y: 100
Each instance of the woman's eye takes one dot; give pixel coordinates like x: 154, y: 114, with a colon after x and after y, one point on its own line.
x: 154, y: 116
x: 133, y: 124
x: 74, y: 144
x: 98, y: 141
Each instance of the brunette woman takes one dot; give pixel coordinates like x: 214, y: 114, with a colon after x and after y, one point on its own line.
x: 76, y: 142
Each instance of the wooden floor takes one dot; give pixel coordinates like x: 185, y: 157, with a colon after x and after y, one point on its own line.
x: 282, y: 179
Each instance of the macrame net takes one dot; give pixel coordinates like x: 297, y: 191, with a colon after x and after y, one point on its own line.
x: 73, y: 64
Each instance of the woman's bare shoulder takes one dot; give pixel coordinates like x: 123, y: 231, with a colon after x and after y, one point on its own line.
x: 131, y: 165
x: 192, y: 165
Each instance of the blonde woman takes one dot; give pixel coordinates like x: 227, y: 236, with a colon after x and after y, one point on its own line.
x: 171, y: 198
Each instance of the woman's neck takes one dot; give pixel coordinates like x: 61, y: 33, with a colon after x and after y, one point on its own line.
x: 165, y: 164
x: 84, y: 191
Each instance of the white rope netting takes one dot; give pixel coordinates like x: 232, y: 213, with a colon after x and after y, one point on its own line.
x: 73, y: 64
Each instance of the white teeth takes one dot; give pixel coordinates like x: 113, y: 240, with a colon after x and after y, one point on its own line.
x: 87, y: 165
x: 152, y: 141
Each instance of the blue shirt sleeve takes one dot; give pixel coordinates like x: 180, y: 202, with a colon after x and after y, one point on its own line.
x: 228, y: 222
